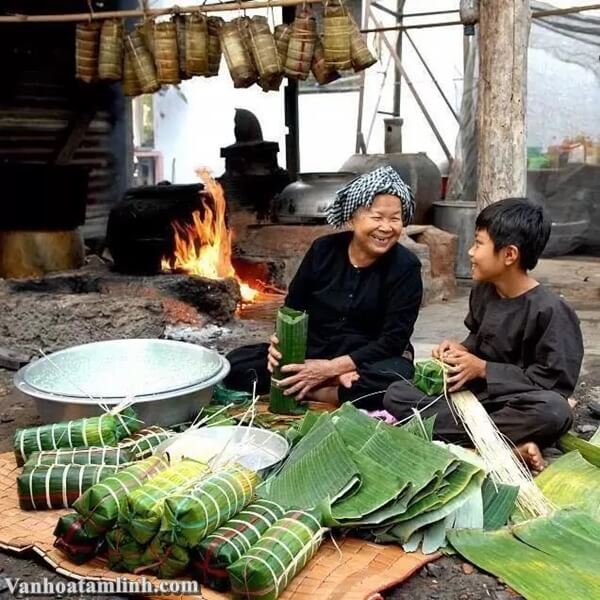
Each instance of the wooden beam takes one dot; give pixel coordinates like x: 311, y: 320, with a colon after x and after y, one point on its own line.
x: 503, y: 39
x: 74, y: 135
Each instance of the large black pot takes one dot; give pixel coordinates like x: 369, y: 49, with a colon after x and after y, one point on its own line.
x: 140, y: 230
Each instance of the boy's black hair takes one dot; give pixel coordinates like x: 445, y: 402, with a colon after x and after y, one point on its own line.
x: 516, y: 222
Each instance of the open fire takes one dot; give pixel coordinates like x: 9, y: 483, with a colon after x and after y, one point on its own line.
x: 204, y: 246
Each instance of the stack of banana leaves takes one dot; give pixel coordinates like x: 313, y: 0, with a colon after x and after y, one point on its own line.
x: 555, y: 556
x: 392, y: 483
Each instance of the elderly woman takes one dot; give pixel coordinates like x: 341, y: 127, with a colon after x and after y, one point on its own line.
x: 362, y: 291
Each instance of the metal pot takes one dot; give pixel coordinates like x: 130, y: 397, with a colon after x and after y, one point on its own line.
x: 168, y: 381
x: 307, y: 199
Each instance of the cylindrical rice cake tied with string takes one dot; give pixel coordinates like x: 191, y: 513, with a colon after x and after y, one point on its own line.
x: 110, y: 60
x: 239, y: 62
x: 166, y: 53
x: 301, y: 45
x: 82, y: 456
x: 87, y: 43
x: 143, y: 63
x: 214, y: 25
x: 196, y: 44
x: 336, y: 35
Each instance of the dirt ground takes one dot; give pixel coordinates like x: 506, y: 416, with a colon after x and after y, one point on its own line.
x: 449, y: 578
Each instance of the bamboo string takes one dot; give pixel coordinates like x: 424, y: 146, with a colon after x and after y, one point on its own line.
x: 250, y: 5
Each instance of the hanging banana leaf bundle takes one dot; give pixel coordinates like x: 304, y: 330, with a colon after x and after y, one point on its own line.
x: 239, y: 62
x: 214, y: 45
x: 179, y: 22
x: 429, y: 377
x: 110, y: 59
x: 87, y: 42
x: 146, y: 31
x: 282, y: 34
x: 301, y: 45
x: 230, y: 542
x: 166, y: 560
x: 101, y: 506
x: 72, y: 540
x: 143, y: 442
x: 189, y: 518
x: 291, y: 331
x: 144, y: 507
x: 196, y: 44
x: 362, y: 58
x: 336, y: 35
x: 321, y: 71
x: 81, y: 456
x: 264, y: 53
x: 166, y: 57
x: 143, y: 63
x: 280, y: 554
x: 124, y: 554
x: 81, y: 433
x: 58, y: 486
x: 130, y: 83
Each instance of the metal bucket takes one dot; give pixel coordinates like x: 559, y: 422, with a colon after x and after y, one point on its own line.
x: 458, y: 218
x: 168, y: 381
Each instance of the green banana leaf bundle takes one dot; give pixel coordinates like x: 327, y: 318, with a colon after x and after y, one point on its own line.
x: 72, y: 540
x: 81, y: 433
x: 143, y: 442
x: 124, y: 554
x: 58, y: 486
x: 166, y: 560
x: 280, y: 554
x: 227, y: 544
x: 82, y: 456
x: 291, y: 331
x: 188, y: 518
x: 143, y: 510
x: 429, y: 377
x: 589, y: 450
x: 101, y: 506
x: 127, y: 423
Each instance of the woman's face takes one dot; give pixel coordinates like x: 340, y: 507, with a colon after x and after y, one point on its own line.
x: 378, y: 227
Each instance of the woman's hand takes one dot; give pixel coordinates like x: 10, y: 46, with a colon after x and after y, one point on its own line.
x: 464, y: 367
x: 274, y: 356
x: 307, y: 376
x: 347, y: 379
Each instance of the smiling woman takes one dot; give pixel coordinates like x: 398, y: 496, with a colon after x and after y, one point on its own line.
x: 362, y: 291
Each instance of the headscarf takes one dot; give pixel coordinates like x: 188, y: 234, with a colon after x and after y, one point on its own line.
x: 362, y: 191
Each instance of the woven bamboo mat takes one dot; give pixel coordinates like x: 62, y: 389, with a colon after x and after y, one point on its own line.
x: 357, y: 571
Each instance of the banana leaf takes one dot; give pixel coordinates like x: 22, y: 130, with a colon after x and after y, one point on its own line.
x: 420, y: 427
x: 81, y: 456
x: 188, y: 518
x: 143, y: 442
x: 101, y: 506
x: 572, y: 482
x: 379, y: 487
x: 81, y: 433
x: 58, y: 486
x: 318, y: 469
x: 124, y: 554
x: 550, y: 566
x: 589, y: 450
x: 166, y: 560
x: 498, y: 503
x: 127, y: 423
x: 595, y: 439
x: 72, y: 540
x: 282, y: 552
x: 429, y: 377
x: 227, y: 544
x: 143, y: 509
x: 291, y: 331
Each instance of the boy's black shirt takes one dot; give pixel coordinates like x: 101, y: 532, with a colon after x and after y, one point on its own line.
x: 530, y: 342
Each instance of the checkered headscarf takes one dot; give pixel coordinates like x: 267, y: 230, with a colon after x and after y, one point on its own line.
x: 362, y: 191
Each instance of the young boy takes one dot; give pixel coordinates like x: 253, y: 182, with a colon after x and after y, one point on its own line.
x: 523, y: 354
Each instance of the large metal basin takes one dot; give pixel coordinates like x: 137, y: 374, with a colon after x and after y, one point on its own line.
x: 169, y: 381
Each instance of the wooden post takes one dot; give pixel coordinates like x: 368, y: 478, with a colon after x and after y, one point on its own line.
x: 503, y: 40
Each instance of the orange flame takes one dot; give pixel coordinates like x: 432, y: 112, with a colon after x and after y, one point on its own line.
x: 204, y: 246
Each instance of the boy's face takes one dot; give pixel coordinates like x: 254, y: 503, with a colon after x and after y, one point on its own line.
x: 486, y: 263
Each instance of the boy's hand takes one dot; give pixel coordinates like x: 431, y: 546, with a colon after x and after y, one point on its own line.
x: 447, y: 346
x: 464, y: 367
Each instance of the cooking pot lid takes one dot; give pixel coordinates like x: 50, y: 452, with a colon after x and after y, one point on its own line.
x: 121, y: 368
